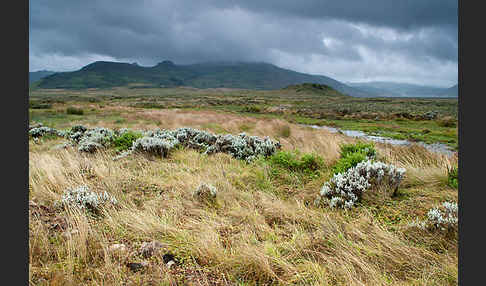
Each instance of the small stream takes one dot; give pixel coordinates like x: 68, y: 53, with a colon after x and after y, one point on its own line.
x: 435, y: 147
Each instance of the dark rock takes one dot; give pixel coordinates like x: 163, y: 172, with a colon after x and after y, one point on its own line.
x: 168, y: 257
x: 136, y: 266
x: 430, y: 115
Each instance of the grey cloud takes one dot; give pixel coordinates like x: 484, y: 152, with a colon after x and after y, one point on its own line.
x: 419, y: 32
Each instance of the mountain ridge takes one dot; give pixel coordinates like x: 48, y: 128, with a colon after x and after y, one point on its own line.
x: 248, y: 75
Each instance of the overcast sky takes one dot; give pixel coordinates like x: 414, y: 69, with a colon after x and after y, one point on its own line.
x: 414, y: 41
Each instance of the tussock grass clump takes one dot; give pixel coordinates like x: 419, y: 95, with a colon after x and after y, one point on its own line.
x: 284, y: 131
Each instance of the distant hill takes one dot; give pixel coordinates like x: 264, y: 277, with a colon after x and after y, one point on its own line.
x: 452, y: 91
x: 314, y: 88
x: 393, y: 89
x: 35, y: 76
x: 244, y: 75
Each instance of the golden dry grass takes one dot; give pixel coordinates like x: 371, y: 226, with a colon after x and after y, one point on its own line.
x: 260, y: 231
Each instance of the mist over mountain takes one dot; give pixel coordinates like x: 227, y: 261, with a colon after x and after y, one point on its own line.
x: 394, y: 89
x: 37, y: 75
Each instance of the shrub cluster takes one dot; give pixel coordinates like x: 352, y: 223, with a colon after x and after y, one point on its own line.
x: 41, y: 131
x: 83, y: 198
x: 443, y: 217
x: 352, y: 154
x: 160, y: 142
x: 345, y: 189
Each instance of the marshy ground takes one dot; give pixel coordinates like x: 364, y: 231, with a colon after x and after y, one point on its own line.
x: 263, y: 228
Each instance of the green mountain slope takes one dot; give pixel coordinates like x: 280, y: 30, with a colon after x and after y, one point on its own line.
x: 203, y: 75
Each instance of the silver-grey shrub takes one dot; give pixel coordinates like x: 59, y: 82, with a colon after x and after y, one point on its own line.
x: 343, y: 190
x: 443, y: 217
x: 41, y: 131
x: 160, y: 142
x: 206, y: 192
x: 243, y: 146
x: 153, y: 145
x: 82, y: 197
x: 95, y: 139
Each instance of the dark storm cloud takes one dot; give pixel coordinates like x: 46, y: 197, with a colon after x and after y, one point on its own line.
x: 334, y: 38
x: 403, y: 14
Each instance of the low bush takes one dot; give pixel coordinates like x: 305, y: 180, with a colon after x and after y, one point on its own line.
x: 345, y: 189
x: 345, y: 163
x: 46, y: 132
x: 125, y: 140
x: 366, y: 148
x: 83, y: 198
x: 443, y: 217
x: 94, y: 139
x: 153, y: 146
x: 74, y: 110
x: 352, y: 154
x: 307, y: 163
